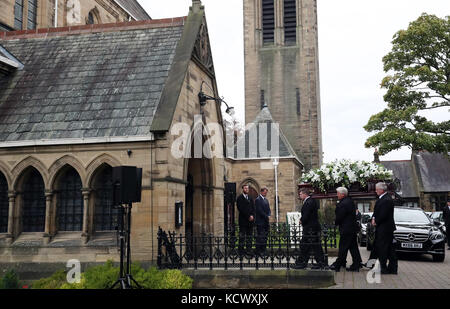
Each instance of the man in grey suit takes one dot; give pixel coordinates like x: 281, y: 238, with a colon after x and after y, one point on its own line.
x: 262, y: 220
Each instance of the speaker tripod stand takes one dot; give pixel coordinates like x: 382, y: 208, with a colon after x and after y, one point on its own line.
x: 126, y: 280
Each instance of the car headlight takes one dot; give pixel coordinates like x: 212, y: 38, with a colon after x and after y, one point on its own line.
x: 436, y: 237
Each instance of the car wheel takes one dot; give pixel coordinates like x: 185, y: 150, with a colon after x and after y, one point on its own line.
x: 438, y: 257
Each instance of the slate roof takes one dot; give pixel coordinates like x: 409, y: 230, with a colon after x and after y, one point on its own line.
x: 433, y: 171
x: 403, y: 170
x: 284, y: 147
x: 134, y: 8
x: 86, y: 82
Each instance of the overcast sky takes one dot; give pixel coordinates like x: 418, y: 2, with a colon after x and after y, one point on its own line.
x: 354, y: 35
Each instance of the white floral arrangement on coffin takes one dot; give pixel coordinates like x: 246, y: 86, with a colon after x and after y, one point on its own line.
x: 345, y: 173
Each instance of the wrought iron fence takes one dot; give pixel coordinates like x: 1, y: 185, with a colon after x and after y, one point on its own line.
x: 282, y: 249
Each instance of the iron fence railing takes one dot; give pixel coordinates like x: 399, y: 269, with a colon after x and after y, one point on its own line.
x: 283, y: 247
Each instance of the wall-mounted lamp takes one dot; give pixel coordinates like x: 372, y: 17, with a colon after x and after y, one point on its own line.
x: 204, y: 98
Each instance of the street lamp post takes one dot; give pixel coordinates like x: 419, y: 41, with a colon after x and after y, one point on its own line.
x: 275, y: 163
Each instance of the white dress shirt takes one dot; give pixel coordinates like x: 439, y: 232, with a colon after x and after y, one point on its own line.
x: 382, y: 195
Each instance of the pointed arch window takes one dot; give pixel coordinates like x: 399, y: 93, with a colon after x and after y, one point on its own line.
x: 33, y: 212
x: 90, y: 20
x: 105, y: 218
x: 4, y: 204
x: 70, y: 202
x: 93, y: 17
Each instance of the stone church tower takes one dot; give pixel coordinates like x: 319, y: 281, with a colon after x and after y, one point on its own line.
x: 282, y: 70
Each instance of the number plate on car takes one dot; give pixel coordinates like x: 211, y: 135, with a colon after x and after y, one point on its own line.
x: 411, y: 245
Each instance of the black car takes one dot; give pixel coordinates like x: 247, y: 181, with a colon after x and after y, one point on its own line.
x: 362, y: 234
x: 416, y: 233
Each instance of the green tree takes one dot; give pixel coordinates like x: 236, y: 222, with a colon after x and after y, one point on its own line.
x: 418, y: 80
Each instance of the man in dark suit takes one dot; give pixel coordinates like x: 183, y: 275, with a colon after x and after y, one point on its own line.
x: 246, y: 209
x: 311, y: 239
x: 358, y: 215
x: 446, y: 214
x: 383, y: 220
x: 263, y: 213
x: 347, y: 222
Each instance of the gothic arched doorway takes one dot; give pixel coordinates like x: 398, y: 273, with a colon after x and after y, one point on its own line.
x: 199, y: 197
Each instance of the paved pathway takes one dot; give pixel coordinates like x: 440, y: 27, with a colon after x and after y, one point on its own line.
x: 414, y: 272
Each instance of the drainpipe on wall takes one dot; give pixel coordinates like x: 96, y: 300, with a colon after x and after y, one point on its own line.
x: 56, y: 13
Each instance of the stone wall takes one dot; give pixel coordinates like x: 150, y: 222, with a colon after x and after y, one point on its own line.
x: 261, y: 279
x: 170, y: 172
x: 52, y: 245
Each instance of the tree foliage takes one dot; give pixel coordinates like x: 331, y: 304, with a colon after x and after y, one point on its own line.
x: 418, y: 80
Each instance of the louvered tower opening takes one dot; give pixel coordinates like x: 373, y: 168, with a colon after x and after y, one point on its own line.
x: 268, y: 20
x: 290, y: 22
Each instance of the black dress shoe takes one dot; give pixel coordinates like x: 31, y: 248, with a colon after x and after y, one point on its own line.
x: 393, y: 272
x: 335, y: 267
x: 353, y: 268
x: 319, y: 266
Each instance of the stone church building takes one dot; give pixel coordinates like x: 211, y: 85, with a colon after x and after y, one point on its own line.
x: 109, y: 86
x: 77, y: 101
